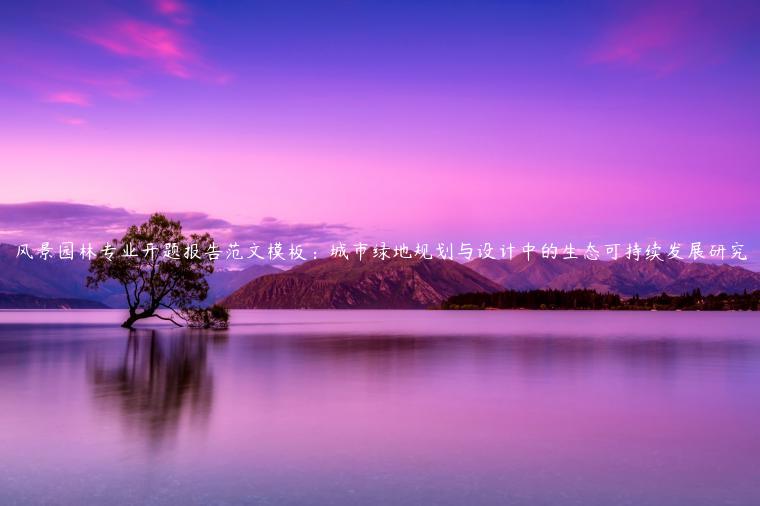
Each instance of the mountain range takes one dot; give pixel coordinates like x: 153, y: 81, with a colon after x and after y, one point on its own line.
x: 417, y: 283
x: 395, y: 283
x: 44, y: 281
x: 25, y: 301
x: 375, y: 283
x: 623, y: 276
x: 61, y: 283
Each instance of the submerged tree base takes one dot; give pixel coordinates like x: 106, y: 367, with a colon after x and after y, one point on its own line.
x: 135, y: 317
x: 154, y: 281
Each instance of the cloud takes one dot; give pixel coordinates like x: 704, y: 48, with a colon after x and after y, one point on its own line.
x: 35, y: 222
x: 56, y: 81
x: 175, y: 10
x: 68, y: 97
x: 164, y: 47
x: 168, y: 49
x: 663, y: 37
x: 141, y: 41
x: 113, y: 86
x: 73, y: 121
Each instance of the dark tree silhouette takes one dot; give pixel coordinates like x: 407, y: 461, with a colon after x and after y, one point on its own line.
x: 156, y: 281
x: 590, y: 299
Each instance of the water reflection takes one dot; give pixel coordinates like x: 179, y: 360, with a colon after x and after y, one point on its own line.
x: 159, y: 382
x: 420, y: 408
x: 658, y: 359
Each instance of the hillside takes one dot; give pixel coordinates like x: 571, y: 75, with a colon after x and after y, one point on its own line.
x: 624, y: 277
x: 370, y: 283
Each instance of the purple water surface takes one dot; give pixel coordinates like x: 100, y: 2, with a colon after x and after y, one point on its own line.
x: 382, y: 407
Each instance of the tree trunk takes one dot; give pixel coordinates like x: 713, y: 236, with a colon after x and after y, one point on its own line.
x: 133, y: 317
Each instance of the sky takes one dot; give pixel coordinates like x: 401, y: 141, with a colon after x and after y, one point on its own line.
x: 394, y: 120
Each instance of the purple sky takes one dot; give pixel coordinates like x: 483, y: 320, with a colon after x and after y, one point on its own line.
x: 404, y: 121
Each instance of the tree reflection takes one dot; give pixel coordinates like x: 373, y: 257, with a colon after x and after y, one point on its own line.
x: 159, y: 383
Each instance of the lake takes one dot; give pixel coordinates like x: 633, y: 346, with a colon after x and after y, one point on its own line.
x: 382, y: 408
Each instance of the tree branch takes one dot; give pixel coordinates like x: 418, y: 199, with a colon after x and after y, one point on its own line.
x: 172, y: 310
x: 167, y: 319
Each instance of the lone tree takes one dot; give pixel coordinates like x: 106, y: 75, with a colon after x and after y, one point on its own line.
x: 158, y: 267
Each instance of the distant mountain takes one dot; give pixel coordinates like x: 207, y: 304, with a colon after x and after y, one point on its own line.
x: 25, y: 301
x: 224, y: 282
x: 395, y: 283
x: 52, y: 278
x: 391, y: 283
x: 65, y: 279
x: 624, y: 277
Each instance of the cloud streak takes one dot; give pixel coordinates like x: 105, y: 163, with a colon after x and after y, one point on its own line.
x: 163, y: 47
x: 667, y: 36
x: 68, y: 97
x: 655, y: 38
x: 73, y: 121
x: 35, y: 222
x: 175, y: 10
x: 139, y: 44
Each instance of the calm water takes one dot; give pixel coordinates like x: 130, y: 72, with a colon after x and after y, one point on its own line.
x: 382, y: 407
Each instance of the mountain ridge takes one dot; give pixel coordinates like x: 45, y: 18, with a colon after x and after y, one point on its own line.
x: 27, y: 301
x: 395, y: 283
x: 623, y: 276
x: 65, y: 279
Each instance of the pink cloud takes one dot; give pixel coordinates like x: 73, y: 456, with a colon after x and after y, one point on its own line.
x: 114, y: 86
x: 69, y: 97
x: 44, y: 220
x: 73, y: 121
x: 54, y: 80
x: 662, y: 37
x: 175, y: 10
x: 164, y: 47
